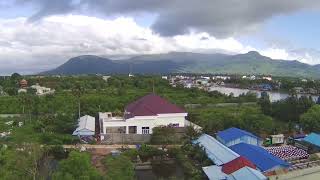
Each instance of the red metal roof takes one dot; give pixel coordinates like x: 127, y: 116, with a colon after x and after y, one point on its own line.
x: 151, y: 105
x: 237, y: 164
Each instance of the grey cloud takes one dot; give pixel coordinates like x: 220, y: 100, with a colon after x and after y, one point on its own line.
x: 220, y: 18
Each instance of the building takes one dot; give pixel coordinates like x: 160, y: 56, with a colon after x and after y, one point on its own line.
x: 40, y: 91
x: 216, y: 152
x: 246, y: 172
x: 264, y: 161
x: 312, y: 141
x: 141, y: 116
x: 234, y: 136
x: 86, y: 126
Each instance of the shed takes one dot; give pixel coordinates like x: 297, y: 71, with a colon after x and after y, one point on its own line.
x: 217, y: 152
x: 312, y: 141
x: 264, y: 160
x: 86, y: 126
x: 234, y: 136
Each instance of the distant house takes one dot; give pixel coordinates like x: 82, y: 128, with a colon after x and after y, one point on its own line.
x: 265, y: 161
x: 86, y: 126
x: 142, y: 115
x: 40, y: 90
x: 234, y: 136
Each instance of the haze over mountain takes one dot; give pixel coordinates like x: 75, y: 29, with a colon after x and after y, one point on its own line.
x: 249, y: 63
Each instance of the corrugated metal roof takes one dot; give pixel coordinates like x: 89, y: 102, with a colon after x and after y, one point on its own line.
x: 313, y: 138
x: 217, y: 152
x: 259, y: 156
x: 237, y: 164
x: 247, y: 173
x: 86, y: 124
x: 234, y: 133
x: 214, y: 173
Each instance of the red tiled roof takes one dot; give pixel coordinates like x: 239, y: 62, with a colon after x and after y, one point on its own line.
x: 151, y: 105
x: 237, y: 164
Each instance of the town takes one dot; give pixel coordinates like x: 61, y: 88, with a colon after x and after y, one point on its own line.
x: 138, y: 127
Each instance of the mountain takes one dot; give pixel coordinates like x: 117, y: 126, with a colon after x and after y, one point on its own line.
x: 249, y: 63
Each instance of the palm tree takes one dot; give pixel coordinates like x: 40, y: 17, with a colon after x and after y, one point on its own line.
x: 78, y: 91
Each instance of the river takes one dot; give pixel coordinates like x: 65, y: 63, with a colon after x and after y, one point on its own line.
x: 274, y: 95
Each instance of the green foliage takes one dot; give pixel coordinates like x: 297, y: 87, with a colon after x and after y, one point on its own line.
x: 76, y: 166
x: 310, y: 121
x: 290, y: 109
x: 189, y: 169
x: 163, y: 135
x: 21, y: 163
x: 119, y: 168
x: 243, y: 116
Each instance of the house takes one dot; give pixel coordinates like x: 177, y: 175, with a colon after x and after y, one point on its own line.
x: 269, y: 78
x: 86, y: 126
x: 234, y: 136
x: 40, y: 91
x: 264, y: 161
x: 142, y: 115
x: 216, y: 152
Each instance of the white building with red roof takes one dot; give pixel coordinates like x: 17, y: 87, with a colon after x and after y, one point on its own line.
x: 142, y: 115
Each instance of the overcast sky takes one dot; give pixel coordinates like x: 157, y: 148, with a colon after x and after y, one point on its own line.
x: 37, y: 35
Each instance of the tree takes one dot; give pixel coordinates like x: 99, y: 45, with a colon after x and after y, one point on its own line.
x: 163, y: 135
x: 78, y: 91
x: 76, y: 166
x: 318, y: 101
x: 119, y: 168
x: 265, y: 103
x: 310, y: 121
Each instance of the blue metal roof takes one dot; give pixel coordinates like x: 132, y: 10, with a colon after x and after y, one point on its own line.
x: 217, y: 152
x: 259, y: 156
x: 313, y: 138
x: 234, y: 133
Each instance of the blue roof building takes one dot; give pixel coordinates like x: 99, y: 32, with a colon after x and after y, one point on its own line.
x: 217, y: 152
x: 234, y: 136
x: 313, y: 141
x: 264, y: 161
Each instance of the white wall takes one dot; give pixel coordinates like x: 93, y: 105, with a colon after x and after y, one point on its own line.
x: 148, y: 121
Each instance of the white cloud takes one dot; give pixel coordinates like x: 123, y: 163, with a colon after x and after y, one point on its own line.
x: 42, y: 45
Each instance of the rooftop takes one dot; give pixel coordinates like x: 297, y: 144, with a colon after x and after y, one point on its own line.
x: 259, y: 156
x: 313, y: 138
x: 234, y: 133
x: 151, y: 105
x: 217, y: 152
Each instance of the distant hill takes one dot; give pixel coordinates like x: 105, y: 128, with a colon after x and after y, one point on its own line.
x: 249, y: 63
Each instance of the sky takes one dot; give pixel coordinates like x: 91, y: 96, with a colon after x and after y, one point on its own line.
x: 38, y: 35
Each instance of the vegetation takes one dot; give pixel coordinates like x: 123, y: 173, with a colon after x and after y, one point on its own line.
x: 119, y: 168
x: 310, y: 121
x: 76, y: 166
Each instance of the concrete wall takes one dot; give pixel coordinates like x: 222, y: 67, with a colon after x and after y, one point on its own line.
x: 148, y: 121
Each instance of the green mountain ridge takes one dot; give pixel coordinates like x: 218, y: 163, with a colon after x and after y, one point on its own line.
x: 186, y: 62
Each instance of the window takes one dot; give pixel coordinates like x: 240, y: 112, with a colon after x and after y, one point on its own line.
x: 145, y: 130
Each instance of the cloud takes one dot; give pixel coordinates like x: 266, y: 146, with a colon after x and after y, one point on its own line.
x: 42, y: 45
x: 220, y: 18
